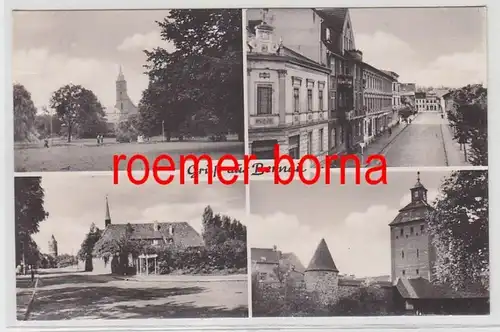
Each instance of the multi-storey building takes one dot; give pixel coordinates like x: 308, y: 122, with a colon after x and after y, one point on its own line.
x: 377, y: 100
x: 396, y: 99
x: 420, y: 101
x: 412, y: 252
x: 287, y: 96
x: 346, y: 80
x: 407, y: 93
x: 432, y: 102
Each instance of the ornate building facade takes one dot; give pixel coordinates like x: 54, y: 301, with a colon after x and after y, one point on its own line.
x: 287, y: 98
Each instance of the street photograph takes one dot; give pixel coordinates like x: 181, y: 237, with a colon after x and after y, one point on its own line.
x: 85, y: 92
x: 128, y: 252
x: 366, y: 81
x: 416, y: 246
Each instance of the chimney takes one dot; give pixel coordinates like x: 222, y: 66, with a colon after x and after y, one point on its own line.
x: 171, y: 230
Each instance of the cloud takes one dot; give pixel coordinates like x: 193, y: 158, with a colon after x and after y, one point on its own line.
x: 141, y: 42
x: 359, y: 244
x: 386, y: 51
x: 43, y: 72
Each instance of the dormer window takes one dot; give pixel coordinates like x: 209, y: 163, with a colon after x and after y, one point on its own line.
x: 327, y: 34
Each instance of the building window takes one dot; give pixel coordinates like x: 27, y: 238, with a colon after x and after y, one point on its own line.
x: 264, y: 100
x: 401, y: 231
x: 121, y: 106
x: 309, y: 142
x: 334, y: 138
x: 422, y: 227
x: 309, y: 99
x: 404, y: 272
x: 402, y: 254
x: 294, y: 147
x: 320, y: 139
x: 327, y: 33
x: 296, y: 100
x: 411, y: 230
x: 417, y: 272
x: 320, y: 99
x: 418, y: 254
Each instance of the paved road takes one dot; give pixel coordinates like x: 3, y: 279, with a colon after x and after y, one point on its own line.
x: 421, y: 144
x: 86, y: 296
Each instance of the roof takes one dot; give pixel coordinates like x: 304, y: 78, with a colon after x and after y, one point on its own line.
x: 414, y: 211
x: 264, y: 255
x: 183, y: 234
x: 420, y: 95
x: 322, y: 259
x: 290, y: 259
x: 407, y: 87
x: 335, y: 17
x: 420, y: 288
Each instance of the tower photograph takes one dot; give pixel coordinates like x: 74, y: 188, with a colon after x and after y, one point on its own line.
x: 418, y: 245
x: 83, y: 93
x: 128, y: 252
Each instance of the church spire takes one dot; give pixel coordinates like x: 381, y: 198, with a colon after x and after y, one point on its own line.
x: 120, y: 77
x: 107, y: 219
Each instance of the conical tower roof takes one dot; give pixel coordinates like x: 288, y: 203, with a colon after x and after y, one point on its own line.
x: 322, y: 259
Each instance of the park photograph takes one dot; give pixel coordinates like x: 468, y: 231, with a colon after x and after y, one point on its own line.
x: 128, y: 252
x: 83, y: 93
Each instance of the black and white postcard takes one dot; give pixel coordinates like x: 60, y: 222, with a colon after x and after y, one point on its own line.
x: 416, y: 246
x: 88, y: 249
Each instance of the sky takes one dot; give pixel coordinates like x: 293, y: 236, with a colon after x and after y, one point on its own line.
x: 54, y: 48
x: 352, y: 219
x: 76, y: 200
x: 428, y: 46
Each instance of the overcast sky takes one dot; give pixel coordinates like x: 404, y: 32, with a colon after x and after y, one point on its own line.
x: 53, y: 48
x: 429, y: 46
x: 75, y: 201
x: 352, y: 219
x: 433, y: 46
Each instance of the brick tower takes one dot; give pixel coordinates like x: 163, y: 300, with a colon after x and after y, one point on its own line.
x: 321, y: 276
x: 412, y: 252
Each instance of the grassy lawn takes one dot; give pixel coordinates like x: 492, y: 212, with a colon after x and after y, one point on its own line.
x: 83, y: 296
x: 85, y: 155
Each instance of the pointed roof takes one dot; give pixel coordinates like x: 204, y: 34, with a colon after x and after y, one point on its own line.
x: 418, y: 184
x: 120, y: 77
x: 108, y: 216
x: 322, y: 259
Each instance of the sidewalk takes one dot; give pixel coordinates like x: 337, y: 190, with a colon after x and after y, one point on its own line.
x: 454, y: 156
x: 379, y: 144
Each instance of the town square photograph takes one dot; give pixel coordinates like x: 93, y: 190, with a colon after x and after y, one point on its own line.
x: 134, y: 81
x: 365, y: 81
x: 128, y: 252
x: 418, y: 245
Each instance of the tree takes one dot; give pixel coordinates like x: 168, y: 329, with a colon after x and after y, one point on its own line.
x: 24, y: 114
x: 29, y: 212
x: 459, y: 227
x: 87, y: 248
x: 205, y: 72
x: 47, y: 124
x: 470, y: 119
x: 79, y: 110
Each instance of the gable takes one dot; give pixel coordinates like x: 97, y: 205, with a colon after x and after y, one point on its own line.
x: 348, y: 31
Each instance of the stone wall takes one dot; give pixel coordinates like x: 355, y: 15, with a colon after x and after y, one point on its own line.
x: 324, y: 283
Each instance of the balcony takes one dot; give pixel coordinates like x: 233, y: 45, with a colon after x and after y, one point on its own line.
x: 344, y: 81
x: 355, y: 54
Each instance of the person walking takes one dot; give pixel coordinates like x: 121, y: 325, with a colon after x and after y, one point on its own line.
x: 32, y: 274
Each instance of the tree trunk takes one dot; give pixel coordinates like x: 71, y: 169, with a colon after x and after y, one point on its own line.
x: 89, y: 267
x: 70, y: 129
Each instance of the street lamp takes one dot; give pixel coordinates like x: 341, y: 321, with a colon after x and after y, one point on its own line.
x: 163, y: 130
x: 362, y: 146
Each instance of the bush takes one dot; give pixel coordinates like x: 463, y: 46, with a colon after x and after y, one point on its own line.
x: 127, y: 131
x: 364, y: 301
x: 231, y: 256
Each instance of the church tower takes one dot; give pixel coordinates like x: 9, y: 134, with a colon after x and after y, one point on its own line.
x: 321, y: 275
x: 107, y: 218
x: 124, y: 104
x: 53, y: 246
x: 412, y: 252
